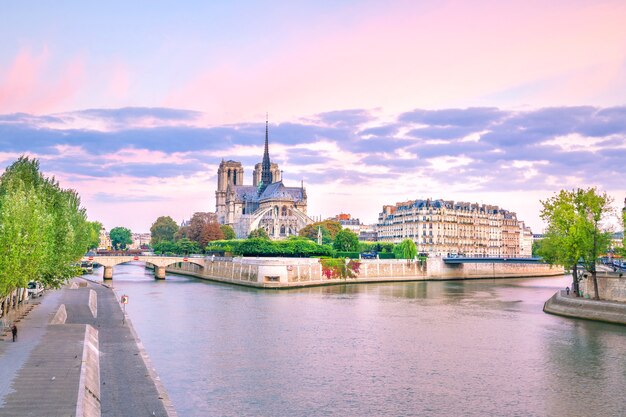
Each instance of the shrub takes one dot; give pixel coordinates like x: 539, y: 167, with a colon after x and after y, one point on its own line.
x: 338, y: 268
x: 351, y: 255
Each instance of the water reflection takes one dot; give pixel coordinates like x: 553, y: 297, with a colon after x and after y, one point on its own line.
x: 478, y: 348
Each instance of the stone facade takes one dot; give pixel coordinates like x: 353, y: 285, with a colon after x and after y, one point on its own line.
x: 267, y: 204
x: 611, y: 286
x: 440, y: 228
x: 105, y: 240
x: 299, y: 272
x: 525, y: 241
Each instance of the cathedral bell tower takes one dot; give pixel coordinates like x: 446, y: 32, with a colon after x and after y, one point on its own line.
x: 229, y: 173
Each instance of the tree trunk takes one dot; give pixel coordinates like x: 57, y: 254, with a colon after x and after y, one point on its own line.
x: 593, y: 268
x: 575, y: 279
x: 595, y: 284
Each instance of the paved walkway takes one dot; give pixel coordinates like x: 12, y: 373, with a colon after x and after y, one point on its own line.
x: 44, y: 364
x: 30, y: 332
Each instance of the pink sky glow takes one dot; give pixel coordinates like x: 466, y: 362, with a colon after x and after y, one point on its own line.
x: 135, y: 111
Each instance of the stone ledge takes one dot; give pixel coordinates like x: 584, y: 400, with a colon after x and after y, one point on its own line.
x: 93, y: 303
x: 60, y: 316
x: 88, y: 399
x: 605, y: 311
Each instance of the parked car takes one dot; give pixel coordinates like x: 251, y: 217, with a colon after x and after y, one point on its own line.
x: 35, y: 289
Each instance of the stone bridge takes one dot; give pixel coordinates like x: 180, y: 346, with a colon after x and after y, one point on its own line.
x: 159, y: 262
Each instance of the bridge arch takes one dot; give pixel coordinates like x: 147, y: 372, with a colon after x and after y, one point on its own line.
x: 159, y: 262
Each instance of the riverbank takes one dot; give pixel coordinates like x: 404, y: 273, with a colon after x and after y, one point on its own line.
x: 281, y: 273
x: 77, y: 355
x: 562, y: 304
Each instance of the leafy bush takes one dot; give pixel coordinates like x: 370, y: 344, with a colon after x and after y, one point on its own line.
x: 338, y: 268
x: 293, y: 247
x: 386, y: 255
x: 351, y: 255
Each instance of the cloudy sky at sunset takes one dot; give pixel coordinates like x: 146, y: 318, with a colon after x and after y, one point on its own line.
x: 134, y: 104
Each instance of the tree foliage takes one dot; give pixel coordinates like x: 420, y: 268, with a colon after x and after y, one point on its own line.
x: 210, y: 232
x: 93, y: 229
x: 228, y: 232
x: 182, y: 233
x: 405, y: 249
x: 43, y: 228
x: 120, y: 237
x: 382, y: 247
x: 292, y: 247
x: 575, y: 233
x: 259, y: 233
x: 346, y: 241
x: 338, y: 268
x: 197, y: 225
x: 163, y: 229
x: 180, y: 247
x: 330, y: 228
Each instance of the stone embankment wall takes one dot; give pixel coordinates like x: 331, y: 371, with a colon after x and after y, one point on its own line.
x: 295, y: 272
x: 578, y: 307
x: 611, y: 286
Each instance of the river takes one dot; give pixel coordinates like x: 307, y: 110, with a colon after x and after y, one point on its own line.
x: 473, y: 348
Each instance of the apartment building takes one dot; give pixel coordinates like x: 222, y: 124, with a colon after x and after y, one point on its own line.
x: 440, y: 227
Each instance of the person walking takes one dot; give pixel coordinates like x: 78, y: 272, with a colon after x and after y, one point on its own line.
x: 14, y: 332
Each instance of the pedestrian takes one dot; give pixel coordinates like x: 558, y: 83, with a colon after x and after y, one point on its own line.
x: 14, y: 332
x: 567, y: 290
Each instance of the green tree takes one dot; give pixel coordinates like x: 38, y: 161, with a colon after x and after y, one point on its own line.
x: 575, y: 233
x: 346, y: 241
x: 166, y: 247
x: 259, y: 233
x: 163, y: 229
x: 405, y: 250
x: 537, y: 247
x: 182, y: 233
x: 228, y: 232
x: 43, y: 228
x: 22, y: 238
x: 94, y: 235
x: 120, y: 237
x: 593, y: 209
x: 186, y: 246
x: 330, y: 228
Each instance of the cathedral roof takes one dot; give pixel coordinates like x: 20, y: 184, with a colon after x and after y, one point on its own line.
x: 245, y: 192
x: 274, y: 191
x: 278, y: 191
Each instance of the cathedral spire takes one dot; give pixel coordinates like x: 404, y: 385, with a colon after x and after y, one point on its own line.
x: 266, y: 174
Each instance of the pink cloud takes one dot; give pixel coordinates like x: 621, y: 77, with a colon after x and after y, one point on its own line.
x: 20, y: 80
x: 63, y: 90
x: 28, y: 86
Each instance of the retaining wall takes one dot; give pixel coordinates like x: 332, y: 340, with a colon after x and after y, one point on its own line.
x: 611, y: 286
x: 583, y: 308
x: 297, y: 272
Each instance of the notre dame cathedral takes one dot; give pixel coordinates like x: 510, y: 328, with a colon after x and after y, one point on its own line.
x: 267, y: 203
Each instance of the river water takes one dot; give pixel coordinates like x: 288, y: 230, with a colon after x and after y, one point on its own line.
x: 472, y: 348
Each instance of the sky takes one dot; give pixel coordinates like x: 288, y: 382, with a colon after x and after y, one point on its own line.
x: 134, y: 104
